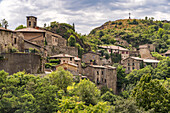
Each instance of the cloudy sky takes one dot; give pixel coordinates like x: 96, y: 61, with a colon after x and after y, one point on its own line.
x: 86, y: 14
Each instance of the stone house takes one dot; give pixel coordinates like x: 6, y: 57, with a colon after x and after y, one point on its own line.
x: 5, y: 39
x: 56, y: 44
x: 145, y: 52
x: 73, y: 68
x: 90, y: 57
x: 116, y: 49
x: 102, y: 75
x: 78, y: 63
x: 33, y: 35
x: 64, y: 58
x: 132, y: 63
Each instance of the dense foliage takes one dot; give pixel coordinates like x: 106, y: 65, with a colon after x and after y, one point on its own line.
x: 135, y: 32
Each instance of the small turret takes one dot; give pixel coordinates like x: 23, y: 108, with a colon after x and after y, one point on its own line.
x: 31, y: 21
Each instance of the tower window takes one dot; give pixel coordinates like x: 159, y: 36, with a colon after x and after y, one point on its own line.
x: 34, y: 24
x: 15, y: 40
x: 29, y: 23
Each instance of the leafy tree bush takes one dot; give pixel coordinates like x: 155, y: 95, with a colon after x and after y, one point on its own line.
x: 20, y: 27
x: 61, y: 78
x: 87, y: 92
x: 55, y: 61
x: 150, y: 94
x: 72, y: 41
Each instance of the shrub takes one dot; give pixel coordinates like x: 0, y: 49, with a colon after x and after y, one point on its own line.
x: 55, y: 61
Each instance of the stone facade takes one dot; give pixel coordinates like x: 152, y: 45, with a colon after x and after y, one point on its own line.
x: 69, y: 67
x: 132, y: 63
x: 55, y: 39
x: 31, y: 21
x: 53, y: 50
x: 117, y: 49
x: 102, y: 75
x: 15, y: 62
x: 145, y: 52
x: 91, y: 57
x: 64, y: 58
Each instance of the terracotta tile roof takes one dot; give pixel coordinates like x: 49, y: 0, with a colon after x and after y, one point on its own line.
x: 168, y: 52
x: 3, y: 29
x: 30, y: 30
x: 91, y: 52
x: 143, y: 46
x: 77, y: 58
x: 75, y: 65
x: 98, y: 66
x: 61, y: 56
x: 111, y: 67
x: 114, y: 47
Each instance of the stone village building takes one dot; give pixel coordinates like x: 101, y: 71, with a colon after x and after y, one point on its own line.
x: 132, y: 63
x: 102, y: 75
x: 72, y: 63
x: 90, y: 56
x: 117, y: 49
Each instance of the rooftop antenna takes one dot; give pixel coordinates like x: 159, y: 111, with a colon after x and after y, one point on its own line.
x: 129, y: 15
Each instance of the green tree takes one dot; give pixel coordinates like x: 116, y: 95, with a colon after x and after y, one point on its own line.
x: 61, y: 78
x: 150, y: 94
x: 20, y: 27
x: 121, y: 80
x: 108, y: 96
x: 4, y: 23
x: 163, y: 69
x: 88, y: 92
x: 72, y: 41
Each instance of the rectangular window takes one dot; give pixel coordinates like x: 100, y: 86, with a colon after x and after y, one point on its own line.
x: 63, y: 60
x: 70, y: 59
x: 102, y: 72
x: 126, y: 52
x: 128, y: 68
x: 128, y: 64
x: 122, y: 52
x: 133, y: 64
x: 97, y: 72
x: 29, y: 23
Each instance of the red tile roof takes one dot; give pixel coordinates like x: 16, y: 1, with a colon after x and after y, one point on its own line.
x: 30, y: 30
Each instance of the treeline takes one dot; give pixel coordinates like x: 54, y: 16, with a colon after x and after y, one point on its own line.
x: 145, y: 90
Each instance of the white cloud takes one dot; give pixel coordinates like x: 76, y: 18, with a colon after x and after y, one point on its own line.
x: 86, y: 14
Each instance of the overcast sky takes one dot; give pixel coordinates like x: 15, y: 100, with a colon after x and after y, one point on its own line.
x: 85, y: 14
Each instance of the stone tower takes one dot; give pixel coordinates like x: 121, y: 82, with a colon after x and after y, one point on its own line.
x: 31, y: 21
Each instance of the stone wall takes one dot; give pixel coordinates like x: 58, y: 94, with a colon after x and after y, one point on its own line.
x: 91, y: 57
x: 15, y: 62
x: 53, y: 50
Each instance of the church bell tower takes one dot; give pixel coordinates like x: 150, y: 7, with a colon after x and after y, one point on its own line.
x: 31, y: 21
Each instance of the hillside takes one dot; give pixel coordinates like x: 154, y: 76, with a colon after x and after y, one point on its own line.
x: 66, y: 30
x: 135, y: 31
